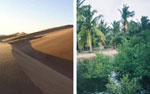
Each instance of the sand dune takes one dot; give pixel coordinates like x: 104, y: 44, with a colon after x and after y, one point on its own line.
x: 53, y: 47
x: 46, y: 57
x: 4, y: 38
x: 58, y: 44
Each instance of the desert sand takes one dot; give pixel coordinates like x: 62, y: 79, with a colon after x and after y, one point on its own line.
x: 38, y: 63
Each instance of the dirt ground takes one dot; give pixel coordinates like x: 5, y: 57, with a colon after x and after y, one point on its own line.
x: 107, y: 52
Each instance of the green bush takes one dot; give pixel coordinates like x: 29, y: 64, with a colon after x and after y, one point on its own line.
x: 92, y: 75
x: 134, y: 58
x: 126, y: 86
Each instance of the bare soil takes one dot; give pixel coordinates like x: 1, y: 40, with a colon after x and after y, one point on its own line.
x: 107, y: 52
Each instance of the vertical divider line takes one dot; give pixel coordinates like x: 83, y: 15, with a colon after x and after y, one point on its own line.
x: 75, y: 49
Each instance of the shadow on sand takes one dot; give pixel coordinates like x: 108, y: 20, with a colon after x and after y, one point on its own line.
x: 58, y: 64
x: 13, y: 80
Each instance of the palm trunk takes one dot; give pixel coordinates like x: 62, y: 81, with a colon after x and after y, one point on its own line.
x: 91, y: 48
x: 89, y: 41
x: 124, y: 30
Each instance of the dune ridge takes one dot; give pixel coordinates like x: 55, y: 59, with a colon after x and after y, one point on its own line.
x: 53, y: 47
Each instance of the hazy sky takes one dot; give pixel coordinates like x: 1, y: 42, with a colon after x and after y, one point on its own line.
x: 109, y: 8
x: 33, y: 15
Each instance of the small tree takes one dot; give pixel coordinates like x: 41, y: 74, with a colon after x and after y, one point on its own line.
x: 92, y: 75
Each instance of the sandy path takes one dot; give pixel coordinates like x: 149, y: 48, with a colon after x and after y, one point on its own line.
x: 109, y: 52
x: 21, y: 74
x: 13, y: 79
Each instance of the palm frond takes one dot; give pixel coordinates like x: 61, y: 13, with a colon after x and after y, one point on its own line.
x: 96, y: 19
x: 99, y: 33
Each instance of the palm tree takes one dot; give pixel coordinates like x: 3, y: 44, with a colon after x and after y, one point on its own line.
x: 116, y: 26
x: 116, y: 36
x: 103, y: 27
x: 144, y: 22
x: 89, y: 28
x: 79, y: 4
x: 80, y: 9
x: 125, y: 14
x: 134, y: 28
x: 80, y: 18
x: 106, y: 30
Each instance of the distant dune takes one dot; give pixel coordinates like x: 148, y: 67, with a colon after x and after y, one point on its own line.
x: 11, y: 36
x: 53, y: 47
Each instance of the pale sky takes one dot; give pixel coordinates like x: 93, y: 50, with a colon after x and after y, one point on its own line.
x: 34, y: 15
x: 109, y: 8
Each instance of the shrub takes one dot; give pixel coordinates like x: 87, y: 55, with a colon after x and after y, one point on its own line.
x: 92, y: 75
x: 126, y: 86
x: 134, y: 58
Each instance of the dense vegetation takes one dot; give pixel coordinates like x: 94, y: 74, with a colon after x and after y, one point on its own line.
x: 131, y: 65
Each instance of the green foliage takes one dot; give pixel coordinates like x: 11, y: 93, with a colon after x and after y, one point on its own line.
x: 126, y: 86
x: 116, y: 34
x: 145, y: 23
x: 87, y: 27
x: 113, y: 34
x: 133, y: 28
x: 134, y: 58
x: 125, y: 14
x: 106, y: 30
x: 92, y: 75
x: 132, y: 64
